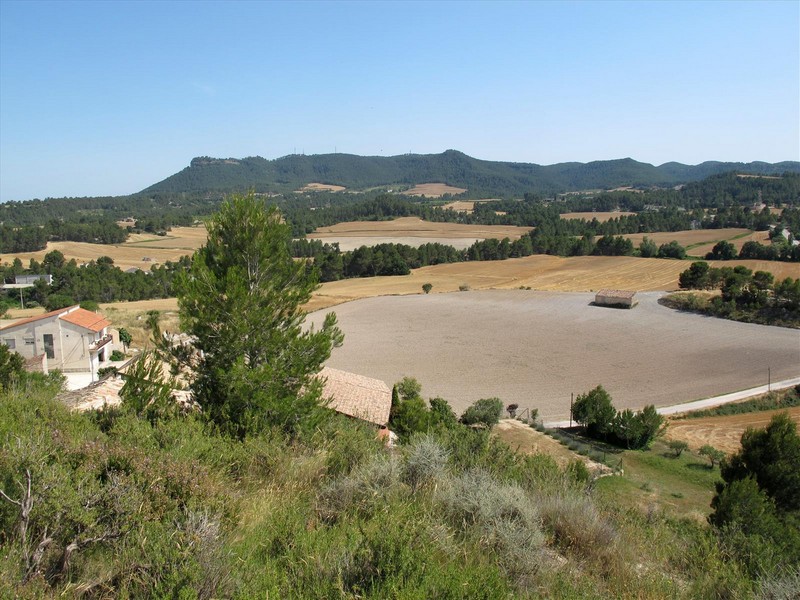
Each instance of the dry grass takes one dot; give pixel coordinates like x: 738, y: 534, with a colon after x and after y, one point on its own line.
x: 433, y: 190
x: 524, y: 439
x: 690, y: 237
x: 602, y: 217
x: 179, y: 242
x: 724, y: 433
x: 757, y: 236
x: 468, y: 206
x: 416, y: 227
x: 539, y: 272
x: 321, y: 187
x: 461, y: 206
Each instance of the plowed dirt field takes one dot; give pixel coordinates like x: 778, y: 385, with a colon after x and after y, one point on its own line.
x: 537, y: 348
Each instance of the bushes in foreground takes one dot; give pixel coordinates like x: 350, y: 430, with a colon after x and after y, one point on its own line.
x: 168, y: 507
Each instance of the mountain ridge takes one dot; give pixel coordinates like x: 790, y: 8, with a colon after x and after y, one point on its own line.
x: 355, y: 172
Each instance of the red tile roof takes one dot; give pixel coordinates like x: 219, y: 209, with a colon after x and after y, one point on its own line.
x: 72, y: 314
x: 37, y: 318
x: 86, y: 319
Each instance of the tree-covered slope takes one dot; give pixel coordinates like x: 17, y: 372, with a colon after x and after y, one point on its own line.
x: 455, y: 168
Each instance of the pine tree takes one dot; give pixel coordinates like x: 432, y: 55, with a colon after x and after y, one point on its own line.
x: 241, y: 301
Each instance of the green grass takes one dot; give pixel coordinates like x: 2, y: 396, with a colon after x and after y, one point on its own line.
x: 681, y: 486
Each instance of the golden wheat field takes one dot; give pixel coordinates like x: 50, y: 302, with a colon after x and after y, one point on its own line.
x: 538, y: 272
x: 321, y: 187
x: 433, y: 190
x: 133, y: 253
x: 737, y: 241
x: 691, y: 237
x: 416, y: 227
x: 467, y: 206
x: 602, y: 217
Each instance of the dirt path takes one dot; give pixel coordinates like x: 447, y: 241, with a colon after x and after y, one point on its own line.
x: 524, y: 439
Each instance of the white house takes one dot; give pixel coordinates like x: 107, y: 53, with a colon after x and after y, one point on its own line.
x: 72, y: 339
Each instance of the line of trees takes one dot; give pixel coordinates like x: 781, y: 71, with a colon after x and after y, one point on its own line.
x: 99, y: 281
x: 780, y: 249
x: 32, y: 238
x: 602, y: 421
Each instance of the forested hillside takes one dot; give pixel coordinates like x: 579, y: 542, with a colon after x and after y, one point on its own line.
x: 480, y: 177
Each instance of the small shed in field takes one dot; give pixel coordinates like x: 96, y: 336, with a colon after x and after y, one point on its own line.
x: 615, y: 298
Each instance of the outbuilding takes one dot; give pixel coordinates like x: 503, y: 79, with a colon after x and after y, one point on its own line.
x: 357, y: 396
x: 615, y: 298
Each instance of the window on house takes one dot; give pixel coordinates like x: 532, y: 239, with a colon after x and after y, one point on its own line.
x: 10, y: 342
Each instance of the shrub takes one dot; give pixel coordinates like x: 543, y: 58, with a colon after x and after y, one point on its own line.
x: 677, y: 446
x: 486, y: 411
x: 464, y: 287
x: 594, y: 411
x: 577, y: 526
x: 441, y: 413
x: 780, y: 587
x: 427, y: 287
x: 369, y: 486
x: 117, y: 355
x: 425, y: 461
x: 502, y: 517
x: 11, y: 366
x: 351, y: 443
x: 106, y: 371
x: 578, y: 471
x: 410, y: 416
x: 714, y: 455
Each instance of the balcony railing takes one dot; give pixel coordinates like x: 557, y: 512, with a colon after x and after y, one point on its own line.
x: 100, y: 343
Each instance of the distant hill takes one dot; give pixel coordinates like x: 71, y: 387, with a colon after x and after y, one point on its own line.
x: 480, y: 177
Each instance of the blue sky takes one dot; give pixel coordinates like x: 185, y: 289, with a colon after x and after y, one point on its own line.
x: 106, y: 98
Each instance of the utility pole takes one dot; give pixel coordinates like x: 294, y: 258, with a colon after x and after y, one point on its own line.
x: 571, y: 398
x: 769, y: 379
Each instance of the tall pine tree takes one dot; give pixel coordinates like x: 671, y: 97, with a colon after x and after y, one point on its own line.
x: 241, y: 301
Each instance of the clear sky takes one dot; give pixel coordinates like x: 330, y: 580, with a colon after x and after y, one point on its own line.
x: 106, y: 98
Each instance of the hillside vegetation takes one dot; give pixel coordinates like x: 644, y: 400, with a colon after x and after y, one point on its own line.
x: 259, y: 490
x: 479, y: 177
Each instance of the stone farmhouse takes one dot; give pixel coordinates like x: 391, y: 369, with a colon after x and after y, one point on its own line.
x: 70, y: 339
